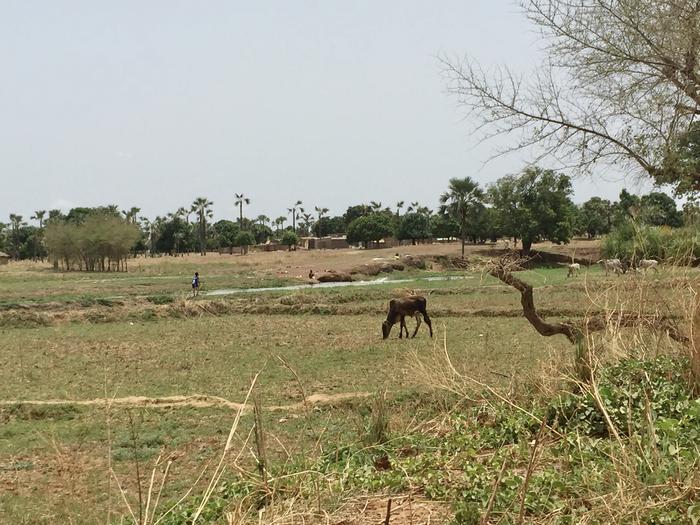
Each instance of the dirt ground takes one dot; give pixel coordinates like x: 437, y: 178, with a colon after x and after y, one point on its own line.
x: 299, y: 262
x: 403, y: 510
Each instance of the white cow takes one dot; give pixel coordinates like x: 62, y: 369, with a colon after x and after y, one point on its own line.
x: 574, y: 269
x: 648, y: 264
x: 612, y: 265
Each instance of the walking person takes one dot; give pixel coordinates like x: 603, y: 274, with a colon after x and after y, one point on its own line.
x: 195, y: 284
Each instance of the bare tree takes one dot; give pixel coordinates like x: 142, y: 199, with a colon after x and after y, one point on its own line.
x: 620, y: 86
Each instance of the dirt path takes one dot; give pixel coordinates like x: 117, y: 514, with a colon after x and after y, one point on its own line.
x: 193, y: 401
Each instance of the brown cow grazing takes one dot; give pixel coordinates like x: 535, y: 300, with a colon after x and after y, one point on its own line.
x: 413, y: 306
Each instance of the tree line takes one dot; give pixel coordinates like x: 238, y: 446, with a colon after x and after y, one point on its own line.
x: 532, y: 206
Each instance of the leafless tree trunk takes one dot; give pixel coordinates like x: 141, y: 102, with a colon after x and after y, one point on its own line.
x: 577, y: 331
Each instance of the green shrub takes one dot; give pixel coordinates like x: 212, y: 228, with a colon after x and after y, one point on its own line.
x: 635, y: 394
x: 632, y: 241
x: 160, y: 299
x: 289, y: 238
x: 244, y: 239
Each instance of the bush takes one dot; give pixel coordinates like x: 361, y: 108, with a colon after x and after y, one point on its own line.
x: 289, y: 238
x: 99, y: 243
x: 414, y: 226
x: 244, y: 239
x: 160, y: 299
x: 630, y: 241
x: 635, y: 394
x: 370, y: 228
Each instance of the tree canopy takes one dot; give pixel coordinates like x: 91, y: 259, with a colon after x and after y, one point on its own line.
x: 226, y: 232
x: 595, y: 217
x: 658, y: 209
x: 370, y: 228
x: 244, y: 239
x: 620, y: 87
x: 98, y: 243
x: 289, y: 238
x: 534, y: 206
x: 414, y: 226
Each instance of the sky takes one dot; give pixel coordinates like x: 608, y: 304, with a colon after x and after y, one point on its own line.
x: 152, y: 104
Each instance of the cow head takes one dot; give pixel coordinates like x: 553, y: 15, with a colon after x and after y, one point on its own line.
x: 386, y: 328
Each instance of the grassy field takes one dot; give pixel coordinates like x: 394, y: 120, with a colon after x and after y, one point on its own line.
x: 96, y: 375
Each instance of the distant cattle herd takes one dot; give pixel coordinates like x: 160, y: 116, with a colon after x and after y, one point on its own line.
x: 617, y: 267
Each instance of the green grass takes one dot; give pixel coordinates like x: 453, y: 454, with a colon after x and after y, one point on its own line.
x: 219, y: 355
x: 54, y: 460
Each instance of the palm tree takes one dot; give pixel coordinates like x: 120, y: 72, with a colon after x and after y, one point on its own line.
x: 202, y: 207
x: 399, y: 205
x: 279, y: 222
x: 294, y: 210
x: 307, y: 221
x: 147, y: 226
x: 240, y: 201
x: 15, y: 224
x: 38, y: 239
x: 262, y: 219
x: 54, y: 215
x: 183, y: 213
x: 376, y: 206
x: 460, y: 196
x: 178, y: 236
x: 131, y: 214
x: 321, y: 212
x: 413, y: 206
x: 39, y: 216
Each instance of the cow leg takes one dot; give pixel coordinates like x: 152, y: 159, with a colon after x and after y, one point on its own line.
x: 417, y: 316
x: 427, y: 321
x: 402, y: 324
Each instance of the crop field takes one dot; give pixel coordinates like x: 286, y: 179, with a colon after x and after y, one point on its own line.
x: 105, y: 379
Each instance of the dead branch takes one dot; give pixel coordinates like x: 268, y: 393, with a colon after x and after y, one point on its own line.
x: 575, y: 331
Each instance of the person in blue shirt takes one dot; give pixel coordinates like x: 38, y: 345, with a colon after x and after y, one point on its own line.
x: 195, y: 284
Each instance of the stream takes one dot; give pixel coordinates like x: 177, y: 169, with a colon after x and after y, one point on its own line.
x: 374, y: 282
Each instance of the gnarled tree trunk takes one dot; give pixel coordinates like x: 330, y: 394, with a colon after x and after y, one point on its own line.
x: 577, y: 331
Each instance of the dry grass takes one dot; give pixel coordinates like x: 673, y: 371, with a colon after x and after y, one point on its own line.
x: 632, y: 497
x: 214, y: 348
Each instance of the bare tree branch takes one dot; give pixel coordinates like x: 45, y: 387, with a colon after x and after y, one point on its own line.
x: 620, y: 85
x: 575, y: 331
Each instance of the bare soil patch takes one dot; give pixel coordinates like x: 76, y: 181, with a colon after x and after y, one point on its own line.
x: 193, y: 401
x: 405, y: 510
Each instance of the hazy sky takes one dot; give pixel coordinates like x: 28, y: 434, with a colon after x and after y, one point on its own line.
x: 153, y: 103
